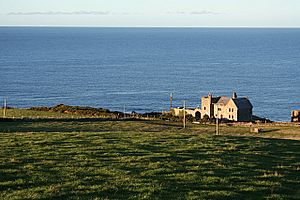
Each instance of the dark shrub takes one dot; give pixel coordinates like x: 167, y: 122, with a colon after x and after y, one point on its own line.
x: 205, y: 119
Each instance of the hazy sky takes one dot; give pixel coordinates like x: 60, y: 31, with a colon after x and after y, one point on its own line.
x: 270, y: 13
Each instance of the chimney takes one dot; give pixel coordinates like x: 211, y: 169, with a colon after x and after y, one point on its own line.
x: 234, y: 95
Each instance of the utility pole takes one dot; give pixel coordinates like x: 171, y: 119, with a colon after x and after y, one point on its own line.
x: 217, y: 122
x: 4, y: 108
x: 124, y: 111
x: 171, y: 101
x: 217, y: 125
x: 184, y: 121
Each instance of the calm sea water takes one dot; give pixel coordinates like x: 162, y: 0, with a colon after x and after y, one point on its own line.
x: 139, y: 67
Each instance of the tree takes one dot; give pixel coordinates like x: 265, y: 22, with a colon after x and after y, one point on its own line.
x: 205, y: 119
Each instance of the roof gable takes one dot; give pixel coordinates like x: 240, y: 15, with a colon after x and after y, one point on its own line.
x: 223, y: 101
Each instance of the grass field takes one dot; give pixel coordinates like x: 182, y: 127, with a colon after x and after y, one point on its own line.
x: 32, y: 114
x: 115, y: 159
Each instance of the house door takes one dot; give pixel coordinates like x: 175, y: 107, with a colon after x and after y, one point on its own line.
x: 197, y: 116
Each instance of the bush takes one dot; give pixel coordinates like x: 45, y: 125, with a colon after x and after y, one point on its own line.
x: 40, y: 108
x: 61, y: 108
x: 189, y: 118
x: 205, y: 119
x: 169, y: 116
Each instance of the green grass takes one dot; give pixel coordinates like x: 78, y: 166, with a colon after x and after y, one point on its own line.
x: 91, y: 159
x: 33, y: 114
x: 26, y: 113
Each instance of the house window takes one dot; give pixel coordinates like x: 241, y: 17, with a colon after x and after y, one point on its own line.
x: 229, y: 109
x: 232, y: 109
x: 229, y: 116
x: 204, y: 108
x: 219, y: 109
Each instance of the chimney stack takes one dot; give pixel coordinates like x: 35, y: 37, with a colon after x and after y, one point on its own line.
x: 210, y: 95
x: 234, y: 95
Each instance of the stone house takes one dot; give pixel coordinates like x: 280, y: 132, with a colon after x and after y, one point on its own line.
x: 222, y: 107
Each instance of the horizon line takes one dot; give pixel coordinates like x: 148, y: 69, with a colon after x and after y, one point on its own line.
x: 96, y: 26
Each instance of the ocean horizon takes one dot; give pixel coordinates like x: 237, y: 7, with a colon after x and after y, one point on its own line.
x: 139, y: 67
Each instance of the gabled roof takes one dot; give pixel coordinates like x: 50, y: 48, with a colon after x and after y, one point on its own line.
x: 223, y: 101
x: 242, y: 103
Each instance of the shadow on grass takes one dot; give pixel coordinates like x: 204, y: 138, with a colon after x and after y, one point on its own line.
x: 270, y: 130
x: 158, y: 164
x: 82, y: 125
x: 24, y: 120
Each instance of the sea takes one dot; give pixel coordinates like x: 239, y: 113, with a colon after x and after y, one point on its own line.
x: 138, y: 68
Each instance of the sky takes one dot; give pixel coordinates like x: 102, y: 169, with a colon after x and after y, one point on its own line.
x: 151, y: 13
